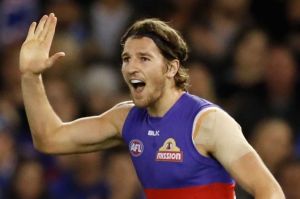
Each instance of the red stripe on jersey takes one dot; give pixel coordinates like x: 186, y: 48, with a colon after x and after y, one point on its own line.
x: 211, y: 191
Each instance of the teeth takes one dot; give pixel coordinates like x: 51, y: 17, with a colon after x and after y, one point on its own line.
x: 135, y: 81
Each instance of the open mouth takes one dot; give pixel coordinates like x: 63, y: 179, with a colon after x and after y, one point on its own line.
x: 138, y: 85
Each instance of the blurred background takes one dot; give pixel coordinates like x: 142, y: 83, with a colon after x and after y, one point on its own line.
x: 244, y: 56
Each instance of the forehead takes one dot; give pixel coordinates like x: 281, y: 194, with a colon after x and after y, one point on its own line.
x: 135, y: 45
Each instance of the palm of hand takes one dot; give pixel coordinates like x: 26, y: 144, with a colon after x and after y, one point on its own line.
x: 34, y: 54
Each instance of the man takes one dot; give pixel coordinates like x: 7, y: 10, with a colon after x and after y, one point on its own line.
x: 182, y: 146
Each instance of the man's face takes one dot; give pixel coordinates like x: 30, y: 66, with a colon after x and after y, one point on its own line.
x: 143, y: 69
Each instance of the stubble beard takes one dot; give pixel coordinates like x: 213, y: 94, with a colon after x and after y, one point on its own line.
x: 151, y: 97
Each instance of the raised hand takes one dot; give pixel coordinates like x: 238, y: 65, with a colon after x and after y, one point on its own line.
x: 34, y: 55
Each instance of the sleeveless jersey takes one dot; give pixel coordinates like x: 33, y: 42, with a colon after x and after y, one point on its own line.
x: 165, y: 158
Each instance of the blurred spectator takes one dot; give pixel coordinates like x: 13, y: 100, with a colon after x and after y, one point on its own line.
x: 211, y: 36
x: 294, y: 43
x: 15, y: 17
x: 289, y: 179
x: 201, y: 82
x: 282, y: 85
x: 244, y: 75
x: 273, y: 141
x: 249, y: 59
x: 29, y: 182
x: 293, y: 12
x: 69, y: 67
x: 10, y: 75
x: 181, y: 13
x: 277, y: 95
x: 100, y: 86
x: 9, y: 116
x: 86, y: 180
x: 8, y: 156
x: 62, y: 99
x: 293, y: 17
x: 109, y: 18
x: 71, y: 18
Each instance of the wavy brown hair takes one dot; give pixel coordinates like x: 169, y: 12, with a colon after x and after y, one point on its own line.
x: 169, y: 42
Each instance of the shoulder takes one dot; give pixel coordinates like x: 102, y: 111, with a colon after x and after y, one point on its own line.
x: 210, y: 116
x: 122, y: 109
x: 125, y: 105
x: 197, y: 100
x: 212, y: 122
x: 118, y: 114
x: 224, y: 122
x: 216, y: 132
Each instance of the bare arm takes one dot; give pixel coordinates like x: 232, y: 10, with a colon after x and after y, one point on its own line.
x: 251, y: 173
x: 222, y: 137
x: 49, y: 133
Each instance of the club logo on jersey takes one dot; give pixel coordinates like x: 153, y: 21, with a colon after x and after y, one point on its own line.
x: 136, y: 147
x: 169, y: 152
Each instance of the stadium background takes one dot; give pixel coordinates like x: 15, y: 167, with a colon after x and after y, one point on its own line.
x: 244, y: 56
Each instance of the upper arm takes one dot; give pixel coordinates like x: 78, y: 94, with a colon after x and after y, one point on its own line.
x: 89, y: 133
x: 221, y: 136
x: 217, y: 134
x: 251, y: 173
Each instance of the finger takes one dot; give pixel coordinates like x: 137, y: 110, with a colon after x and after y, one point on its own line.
x: 46, y: 27
x: 31, y: 30
x: 54, y: 58
x: 51, y: 31
x: 40, y: 26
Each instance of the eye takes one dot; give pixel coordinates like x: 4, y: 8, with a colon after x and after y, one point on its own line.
x: 145, y: 59
x: 125, y: 59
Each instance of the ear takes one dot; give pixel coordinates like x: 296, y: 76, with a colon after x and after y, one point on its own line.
x: 172, y: 68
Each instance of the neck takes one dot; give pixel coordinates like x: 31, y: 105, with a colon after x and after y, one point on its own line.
x: 165, y: 102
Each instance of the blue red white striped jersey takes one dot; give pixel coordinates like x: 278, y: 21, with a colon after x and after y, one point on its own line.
x: 165, y: 158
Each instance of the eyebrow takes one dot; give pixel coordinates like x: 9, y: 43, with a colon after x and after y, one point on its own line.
x: 145, y: 54
x: 124, y: 54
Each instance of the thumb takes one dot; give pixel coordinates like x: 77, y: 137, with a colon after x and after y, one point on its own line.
x: 54, y: 58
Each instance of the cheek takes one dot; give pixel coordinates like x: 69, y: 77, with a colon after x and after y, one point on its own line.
x: 157, y: 77
x: 123, y: 71
x: 160, y: 71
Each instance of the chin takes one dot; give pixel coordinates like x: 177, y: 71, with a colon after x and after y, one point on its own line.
x: 140, y: 103
x: 146, y: 100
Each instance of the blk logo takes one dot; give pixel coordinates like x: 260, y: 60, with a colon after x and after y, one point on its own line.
x: 136, y: 147
x: 153, y: 133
